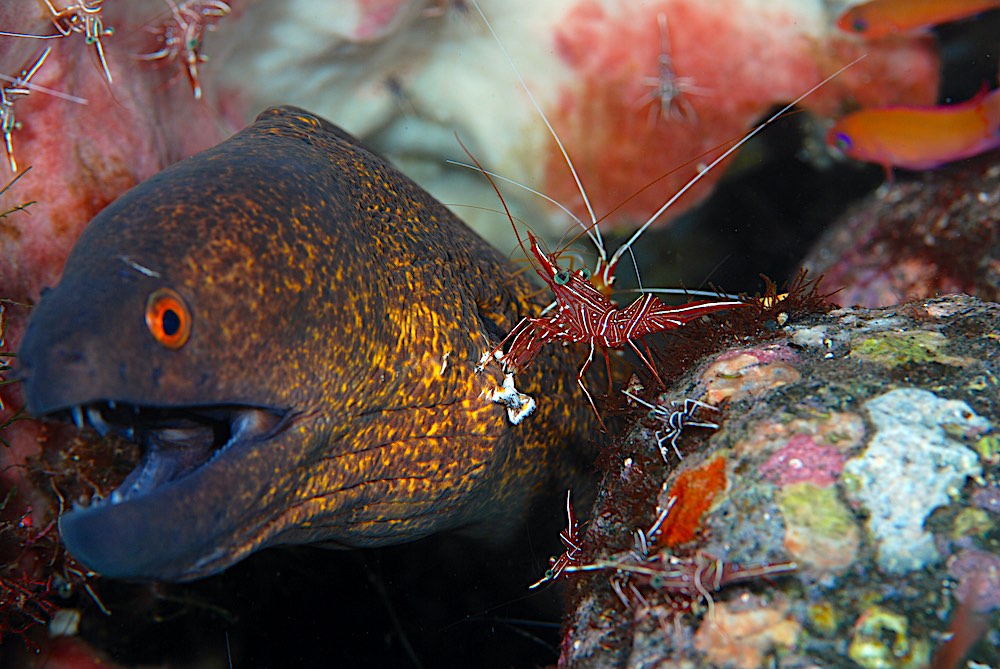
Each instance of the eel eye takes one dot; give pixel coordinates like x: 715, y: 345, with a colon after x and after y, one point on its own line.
x: 585, y: 274
x: 843, y: 141
x: 859, y: 25
x: 168, y: 318
x: 561, y: 278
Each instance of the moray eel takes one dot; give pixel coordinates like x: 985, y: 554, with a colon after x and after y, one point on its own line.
x: 289, y: 328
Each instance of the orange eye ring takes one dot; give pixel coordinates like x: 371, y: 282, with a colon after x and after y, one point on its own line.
x: 168, y: 318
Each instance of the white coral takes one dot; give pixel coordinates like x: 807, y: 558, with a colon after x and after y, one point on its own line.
x: 913, y: 465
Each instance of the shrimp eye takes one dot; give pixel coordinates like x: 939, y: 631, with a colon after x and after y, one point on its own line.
x: 168, y: 318
x: 585, y: 274
x: 859, y: 25
x: 843, y: 141
x: 561, y: 278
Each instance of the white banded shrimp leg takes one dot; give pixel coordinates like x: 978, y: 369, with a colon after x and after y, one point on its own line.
x: 675, y: 420
x: 19, y: 87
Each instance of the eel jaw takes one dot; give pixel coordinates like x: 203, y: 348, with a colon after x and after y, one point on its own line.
x: 179, y: 446
x: 174, y: 441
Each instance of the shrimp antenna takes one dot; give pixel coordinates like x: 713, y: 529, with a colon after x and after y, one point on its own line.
x: 44, y: 89
x: 705, y: 170
x: 486, y: 174
x: 512, y: 182
x: 592, y: 231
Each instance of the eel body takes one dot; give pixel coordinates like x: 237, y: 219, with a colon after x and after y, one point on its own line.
x: 289, y: 327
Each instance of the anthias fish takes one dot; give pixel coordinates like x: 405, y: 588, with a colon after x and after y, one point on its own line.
x: 919, y: 138
x: 879, y: 18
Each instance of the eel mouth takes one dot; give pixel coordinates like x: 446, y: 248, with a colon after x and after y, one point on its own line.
x: 175, y: 441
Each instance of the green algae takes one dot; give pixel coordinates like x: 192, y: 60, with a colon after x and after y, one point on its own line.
x: 892, y: 349
x: 971, y: 522
x: 815, y: 509
x: 988, y: 448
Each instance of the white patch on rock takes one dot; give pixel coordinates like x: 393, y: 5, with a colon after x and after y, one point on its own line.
x: 817, y: 336
x: 913, y: 465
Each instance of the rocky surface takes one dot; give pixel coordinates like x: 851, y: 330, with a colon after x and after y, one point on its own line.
x: 918, y: 236
x: 859, y: 446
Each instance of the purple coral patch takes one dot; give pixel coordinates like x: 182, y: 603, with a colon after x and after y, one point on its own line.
x: 978, y: 576
x: 802, y: 460
x: 987, y: 498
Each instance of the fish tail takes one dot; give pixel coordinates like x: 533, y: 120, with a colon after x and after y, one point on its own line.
x: 991, y: 110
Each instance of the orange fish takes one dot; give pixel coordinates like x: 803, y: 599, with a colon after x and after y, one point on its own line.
x: 883, y: 17
x: 919, y: 138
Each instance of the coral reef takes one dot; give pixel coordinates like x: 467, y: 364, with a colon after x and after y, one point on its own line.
x: 772, y: 485
x: 920, y: 439
x: 918, y: 236
x: 865, y: 472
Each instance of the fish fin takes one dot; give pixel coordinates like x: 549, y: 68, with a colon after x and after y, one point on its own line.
x: 991, y: 108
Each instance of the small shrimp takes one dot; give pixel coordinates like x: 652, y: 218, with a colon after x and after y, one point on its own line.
x: 676, y: 420
x: 920, y: 138
x: 879, y: 18
x: 183, y: 34
x: 689, y: 577
x: 19, y: 87
x: 570, y: 538
x: 668, y: 89
x: 698, y: 576
x: 84, y: 17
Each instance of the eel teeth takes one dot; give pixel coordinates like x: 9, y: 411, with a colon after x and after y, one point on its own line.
x: 97, y: 420
x: 77, y: 417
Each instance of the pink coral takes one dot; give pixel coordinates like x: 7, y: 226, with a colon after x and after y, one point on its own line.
x: 802, y: 460
x: 759, y: 54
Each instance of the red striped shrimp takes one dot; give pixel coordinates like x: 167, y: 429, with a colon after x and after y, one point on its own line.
x: 583, y: 310
x: 584, y: 315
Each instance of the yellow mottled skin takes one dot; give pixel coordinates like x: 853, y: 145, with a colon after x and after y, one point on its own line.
x: 326, y: 287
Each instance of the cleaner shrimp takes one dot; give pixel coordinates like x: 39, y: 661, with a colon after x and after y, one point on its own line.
x: 583, y: 311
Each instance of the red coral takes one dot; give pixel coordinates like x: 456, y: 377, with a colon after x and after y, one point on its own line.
x: 694, y: 490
